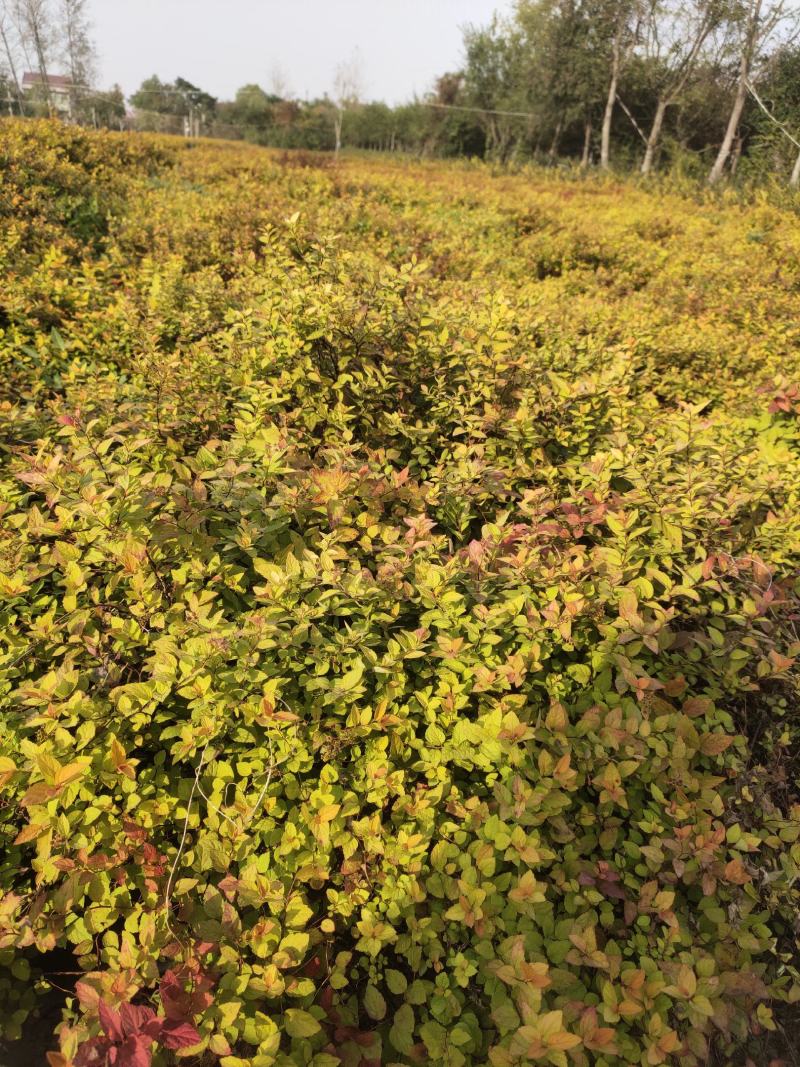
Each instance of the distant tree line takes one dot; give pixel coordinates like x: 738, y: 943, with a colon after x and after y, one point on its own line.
x: 641, y: 83
x: 52, y: 40
x: 708, y: 86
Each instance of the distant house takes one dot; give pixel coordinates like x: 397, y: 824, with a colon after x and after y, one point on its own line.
x: 59, y: 87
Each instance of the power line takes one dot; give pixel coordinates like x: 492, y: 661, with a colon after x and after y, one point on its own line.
x: 187, y: 95
x: 634, y: 123
x: 481, y: 110
x: 769, y: 114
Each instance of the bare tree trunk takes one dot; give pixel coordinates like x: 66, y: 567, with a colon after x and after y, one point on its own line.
x: 794, y: 180
x: 733, y: 124
x: 748, y: 46
x: 70, y: 34
x: 33, y: 15
x: 736, y: 154
x: 674, y: 86
x: 346, y: 94
x: 605, y: 133
x: 587, y: 145
x: 655, y: 134
x: 44, y: 75
x: 337, y: 129
x: 553, y: 150
x: 11, y: 66
x: 17, y: 90
x: 493, y: 136
x: 31, y: 18
x: 505, y: 141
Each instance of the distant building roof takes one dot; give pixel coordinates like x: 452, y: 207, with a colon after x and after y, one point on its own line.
x: 32, y: 78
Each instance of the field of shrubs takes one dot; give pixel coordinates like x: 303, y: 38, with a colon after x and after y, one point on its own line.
x: 399, y: 604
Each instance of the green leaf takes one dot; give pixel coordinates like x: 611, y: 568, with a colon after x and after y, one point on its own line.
x: 299, y: 1023
x: 435, y: 1037
x: 374, y: 1003
x: 401, y: 1033
x: 396, y: 981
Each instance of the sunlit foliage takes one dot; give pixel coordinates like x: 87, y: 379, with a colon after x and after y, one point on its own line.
x: 398, y: 606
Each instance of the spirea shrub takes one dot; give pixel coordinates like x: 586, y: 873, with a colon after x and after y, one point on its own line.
x: 399, y: 599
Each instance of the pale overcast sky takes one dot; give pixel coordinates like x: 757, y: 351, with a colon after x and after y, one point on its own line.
x: 222, y: 44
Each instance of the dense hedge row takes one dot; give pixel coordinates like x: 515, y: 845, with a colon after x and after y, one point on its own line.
x: 399, y: 598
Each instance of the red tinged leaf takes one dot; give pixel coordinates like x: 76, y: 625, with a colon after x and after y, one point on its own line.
x: 111, y: 1022
x: 135, y: 1052
x: 735, y: 872
x: 780, y: 663
x: 133, y: 830
x: 93, y: 1053
x: 173, y: 996
x: 229, y: 886
x: 696, y: 706
x: 675, y: 686
x: 326, y: 1000
x: 39, y: 794
x: 363, y: 1038
x: 30, y: 833
x: 176, y: 1034
x: 150, y: 853
x: 603, y: 1038
x: 203, y: 947
x: 708, y: 567
x: 181, y: 1004
x: 476, y: 552
x: 714, y: 744
x: 611, y: 889
x: 136, y: 1018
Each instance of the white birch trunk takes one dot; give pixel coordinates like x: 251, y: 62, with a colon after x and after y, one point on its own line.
x: 794, y: 180
x: 605, y: 133
x: 655, y: 134
x: 587, y: 145
x: 748, y: 46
